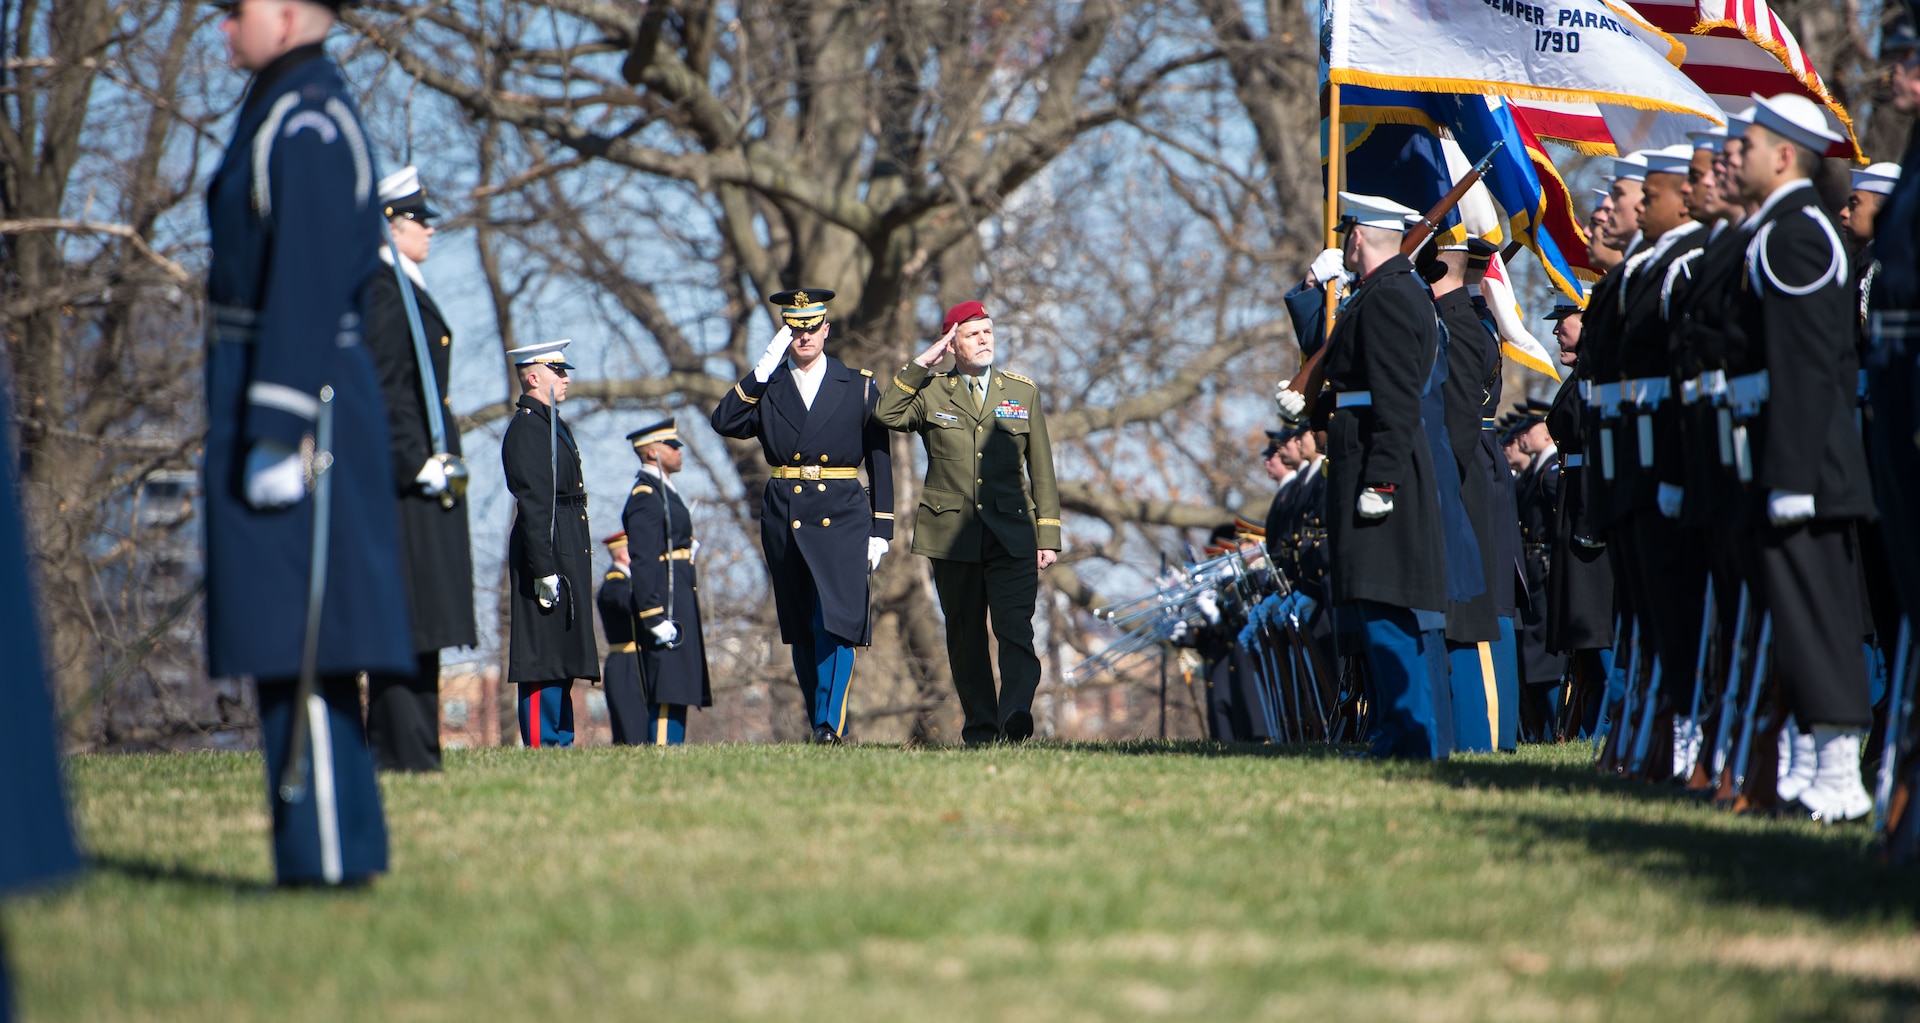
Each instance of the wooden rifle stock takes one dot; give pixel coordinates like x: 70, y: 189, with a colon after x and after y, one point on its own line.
x: 1312, y: 377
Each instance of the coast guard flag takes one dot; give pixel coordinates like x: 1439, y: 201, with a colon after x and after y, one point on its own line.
x: 1568, y: 51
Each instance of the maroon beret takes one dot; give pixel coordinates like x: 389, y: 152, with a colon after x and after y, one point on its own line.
x: 962, y: 313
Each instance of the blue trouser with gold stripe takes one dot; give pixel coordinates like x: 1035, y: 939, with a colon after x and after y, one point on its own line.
x: 1486, y: 693
x: 545, y: 710
x: 1407, y: 664
x: 666, y: 724
x: 334, y: 832
x: 823, y: 663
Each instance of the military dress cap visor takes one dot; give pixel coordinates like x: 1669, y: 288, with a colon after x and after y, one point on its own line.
x: 1562, y: 310
x: 1375, y: 211
x: 663, y: 432
x: 616, y: 541
x: 802, y: 308
x: 1797, y: 119
x: 402, y: 196
x: 1878, y: 178
x: 1898, y: 41
x: 962, y: 313
x: 546, y: 353
x: 1676, y: 159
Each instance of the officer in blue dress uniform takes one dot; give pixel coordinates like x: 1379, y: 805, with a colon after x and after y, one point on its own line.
x: 665, y: 599
x: 823, y: 532
x: 549, y: 551
x: 295, y: 228
x: 1382, y: 491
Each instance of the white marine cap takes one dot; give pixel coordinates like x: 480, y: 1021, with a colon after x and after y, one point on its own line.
x: 1713, y: 140
x: 1737, y: 123
x: 400, y: 184
x: 1376, y: 211
x: 1601, y: 193
x: 1675, y: 159
x: 1796, y: 119
x: 1631, y: 167
x: 1878, y: 178
x: 547, y: 353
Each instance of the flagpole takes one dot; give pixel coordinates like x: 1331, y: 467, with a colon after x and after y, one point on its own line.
x: 1336, y: 146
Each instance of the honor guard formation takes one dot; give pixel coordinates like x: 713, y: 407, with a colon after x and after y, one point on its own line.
x: 1702, y: 554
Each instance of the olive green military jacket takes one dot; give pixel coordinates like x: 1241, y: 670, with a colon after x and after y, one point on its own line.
x: 989, y: 469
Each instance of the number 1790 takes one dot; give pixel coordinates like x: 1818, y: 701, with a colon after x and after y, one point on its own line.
x: 1551, y: 40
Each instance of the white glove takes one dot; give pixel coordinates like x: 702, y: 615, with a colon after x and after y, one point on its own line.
x: 666, y: 632
x: 1787, y: 509
x: 1209, y: 607
x: 432, y: 478
x: 876, y: 546
x: 1292, y: 405
x: 1179, y: 633
x: 546, y: 590
x: 1374, y: 504
x: 275, y: 477
x: 1329, y: 267
x: 1669, y: 498
x: 693, y: 549
x: 776, y: 350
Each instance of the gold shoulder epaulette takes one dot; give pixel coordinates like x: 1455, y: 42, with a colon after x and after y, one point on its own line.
x: 866, y: 372
x: 641, y: 489
x: 1015, y: 376
x: 614, y: 573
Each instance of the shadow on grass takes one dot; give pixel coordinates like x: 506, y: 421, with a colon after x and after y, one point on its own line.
x: 148, y: 872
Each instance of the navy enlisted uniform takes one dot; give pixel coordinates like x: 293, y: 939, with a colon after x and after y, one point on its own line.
x: 1537, y: 498
x: 294, y: 231
x: 665, y: 598
x: 1382, y: 493
x: 823, y: 533
x: 403, y: 711
x: 620, y: 675
x: 549, y: 552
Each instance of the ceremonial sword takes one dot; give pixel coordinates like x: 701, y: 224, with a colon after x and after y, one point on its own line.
x: 293, y: 779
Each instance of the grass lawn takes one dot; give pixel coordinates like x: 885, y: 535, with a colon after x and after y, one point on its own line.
x: 1043, y: 883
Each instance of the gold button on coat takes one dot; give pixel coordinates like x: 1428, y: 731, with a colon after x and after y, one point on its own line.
x: 796, y: 523
x: 826, y: 522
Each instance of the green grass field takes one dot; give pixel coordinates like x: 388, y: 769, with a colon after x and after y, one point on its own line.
x: 1042, y: 883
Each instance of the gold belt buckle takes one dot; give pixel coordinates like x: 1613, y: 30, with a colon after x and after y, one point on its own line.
x: 809, y: 472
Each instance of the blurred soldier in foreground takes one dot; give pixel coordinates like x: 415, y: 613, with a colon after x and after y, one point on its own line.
x: 403, y: 711
x: 293, y: 406
x: 620, y: 676
x: 989, y: 516
x: 666, y: 595
x: 549, y: 552
x: 823, y: 533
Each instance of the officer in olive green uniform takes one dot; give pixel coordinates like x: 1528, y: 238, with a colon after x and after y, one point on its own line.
x: 988, y: 525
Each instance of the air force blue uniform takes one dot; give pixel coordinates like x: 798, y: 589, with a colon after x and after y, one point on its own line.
x: 295, y: 230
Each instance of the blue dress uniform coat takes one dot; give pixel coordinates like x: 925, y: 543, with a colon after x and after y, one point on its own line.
x: 620, y: 677
x: 294, y: 233
x: 659, y: 536
x: 550, y: 537
x: 817, y: 528
x: 435, y: 544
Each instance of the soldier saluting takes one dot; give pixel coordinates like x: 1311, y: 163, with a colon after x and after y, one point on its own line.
x: 293, y: 405
x: 989, y: 514
x: 549, y: 552
x: 822, y: 532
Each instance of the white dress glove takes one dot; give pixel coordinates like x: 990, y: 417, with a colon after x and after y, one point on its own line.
x: 1670, y: 499
x: 876, y: 546
x: 665, y: 632
x: 1209, y: 607
x: 275, y: 477
x: 546, y: 590
x: 1787, y: 509
x: 1374, y: 504
x: 1179, y: 633
x: 776, y: 350
x: 1292, y: 405
x: 693, y: 549
x: 432, y: 478
x: 1329, y: 268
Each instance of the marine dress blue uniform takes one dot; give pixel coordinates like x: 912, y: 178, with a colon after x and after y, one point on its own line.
x: 295, y: 230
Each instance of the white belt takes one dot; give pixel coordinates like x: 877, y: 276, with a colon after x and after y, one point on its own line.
x: 1353, y: 399
x: 1646, y: 392
x: 1571, y: 461
x: 1747, y: 393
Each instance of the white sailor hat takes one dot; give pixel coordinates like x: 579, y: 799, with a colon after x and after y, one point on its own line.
x: 1737, y: 123
x: 546, y: 353
x: 1631, y: 167
x: 1601, y: 193
x: 401, y: 195
x: 1713, y: 140
x: 1878, y: 178
x: 1797, y: 119
x: 1675, y: 159
x: 1376, y: 211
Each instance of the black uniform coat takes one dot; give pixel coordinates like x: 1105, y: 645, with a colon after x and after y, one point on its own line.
x: 1644, y: 351
x: 1472, y: 376
x: 1600, y: 363
x: 1297, y: 530
x: 1579, y: 594
x: 435, y: 548
x: 291, y: 254
x: 1538, y: 493
x: 1384, y: 341
x: 657, y: 523
x: 810, y: 528
x: 550, y: 537
x: 620, y: 676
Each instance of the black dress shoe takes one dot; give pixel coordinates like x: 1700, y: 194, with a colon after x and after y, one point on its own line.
x: 825, y: 735
x: 1019, y: 726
